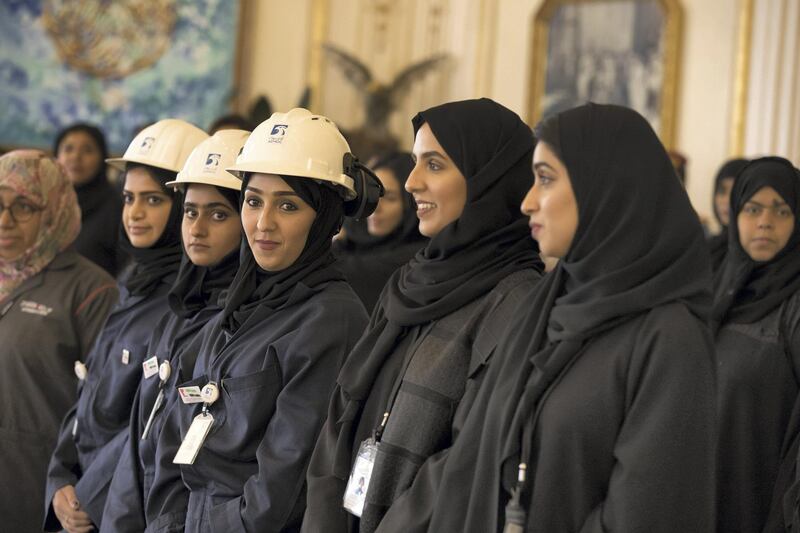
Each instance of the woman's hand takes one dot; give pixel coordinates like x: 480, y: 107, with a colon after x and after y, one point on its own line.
x: 68, y: 511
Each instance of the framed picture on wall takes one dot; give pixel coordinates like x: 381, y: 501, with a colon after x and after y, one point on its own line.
x: 120, y: 65
x: 624, y: 52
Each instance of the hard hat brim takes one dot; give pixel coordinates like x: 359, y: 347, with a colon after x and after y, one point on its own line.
x: 207, y: 180
x: 120, y: 162
x: 342, y: 180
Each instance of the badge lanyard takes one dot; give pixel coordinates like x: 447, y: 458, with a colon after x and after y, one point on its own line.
x: 358, y: 484
x: 164, y: 371
x: 201, y: 425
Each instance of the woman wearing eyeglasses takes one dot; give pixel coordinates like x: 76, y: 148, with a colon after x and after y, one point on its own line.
x: 53, y: 302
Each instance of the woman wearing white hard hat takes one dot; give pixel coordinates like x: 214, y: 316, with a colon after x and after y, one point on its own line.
x: 265, y: 370
x: 212, y: 233
x: 94, y: 430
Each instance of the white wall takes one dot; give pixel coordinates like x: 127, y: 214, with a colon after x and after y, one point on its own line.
x: 274, y: 51
x: 705, y: 98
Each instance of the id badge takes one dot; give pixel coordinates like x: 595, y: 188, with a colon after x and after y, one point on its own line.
x: 150, y: 367
x: 190, y: 394
x: 194, y: 439
x: 356, y: 492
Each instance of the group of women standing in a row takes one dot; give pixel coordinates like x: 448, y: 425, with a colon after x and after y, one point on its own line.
x: 622, y: 391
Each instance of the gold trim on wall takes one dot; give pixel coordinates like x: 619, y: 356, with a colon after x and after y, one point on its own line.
x: 671, y: 61
x: 739, y: 118
x: 774, y: 135
x: 484, y: 50
x: 320, y: 13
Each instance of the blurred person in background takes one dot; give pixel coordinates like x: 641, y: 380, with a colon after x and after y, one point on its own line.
x: 81, y: 150
x: 372, y: 249
x: 723, y: 183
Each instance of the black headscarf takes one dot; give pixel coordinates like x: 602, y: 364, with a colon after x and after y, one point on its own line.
x: 369, y: 261
x: 196, y: 287
x: 358, y: 239
x: 93, y: 194
x: 638, y: 245
x: 152, y: 265
x: 718, y: 244
x: 746, y: 290
x: 492, y: 148
x: 255, y: 288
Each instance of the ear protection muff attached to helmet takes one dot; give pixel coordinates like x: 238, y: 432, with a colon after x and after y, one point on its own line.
x: 369, y: 188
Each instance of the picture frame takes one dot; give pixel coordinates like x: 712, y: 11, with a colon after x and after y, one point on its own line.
x: 624, y: 52
x: 63, y: 62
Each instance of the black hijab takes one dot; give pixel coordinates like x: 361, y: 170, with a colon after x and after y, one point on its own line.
x: 93, y: 194
x: 492, y: 148
x: 369, y: 261
x: 253, y: 288
x: 357, y: 239
x: 746, y: 290
x: 638, y: 245
x: 152, y: 265
x: 718, y: 244
x: 197, y: 287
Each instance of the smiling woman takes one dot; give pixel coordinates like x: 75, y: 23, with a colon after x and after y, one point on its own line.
x: 438, y: 186
x: 147, y: 207
x: 276, y: 221
x: 91, y: 437
x: 288, y: 322
x: 436, y: 323
x: 211, y: 231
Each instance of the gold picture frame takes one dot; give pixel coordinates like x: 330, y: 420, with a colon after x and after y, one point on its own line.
x: 603, y: 41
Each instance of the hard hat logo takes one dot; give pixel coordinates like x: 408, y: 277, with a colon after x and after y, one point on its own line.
x: 212, y: 162
x: 208, y: 161
x: 277, y: 133
x: 165, y: 144
x: 147, y: 145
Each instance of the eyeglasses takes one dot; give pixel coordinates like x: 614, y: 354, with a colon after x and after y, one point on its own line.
x: 20, y: 211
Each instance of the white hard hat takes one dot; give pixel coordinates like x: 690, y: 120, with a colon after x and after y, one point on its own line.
x: 165, y: 144
x: 299, y: 144
x: 210, y: 158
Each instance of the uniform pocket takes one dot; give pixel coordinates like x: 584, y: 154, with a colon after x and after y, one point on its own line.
x: 248, y: 403
x: 115, y: 386
x: 255, y: 380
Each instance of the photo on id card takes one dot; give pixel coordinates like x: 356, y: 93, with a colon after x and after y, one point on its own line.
x: 356, y: 492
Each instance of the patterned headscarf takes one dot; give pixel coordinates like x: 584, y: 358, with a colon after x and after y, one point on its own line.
x: 38, y: 178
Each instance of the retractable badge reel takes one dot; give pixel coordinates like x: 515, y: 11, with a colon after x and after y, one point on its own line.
x: 163, y: 370
x: 201, y: 424
x: 80, y: 372
x: 357, y: 485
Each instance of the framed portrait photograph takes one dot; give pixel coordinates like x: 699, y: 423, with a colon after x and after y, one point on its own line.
x: 623, y: 52
x: 121, y: 65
